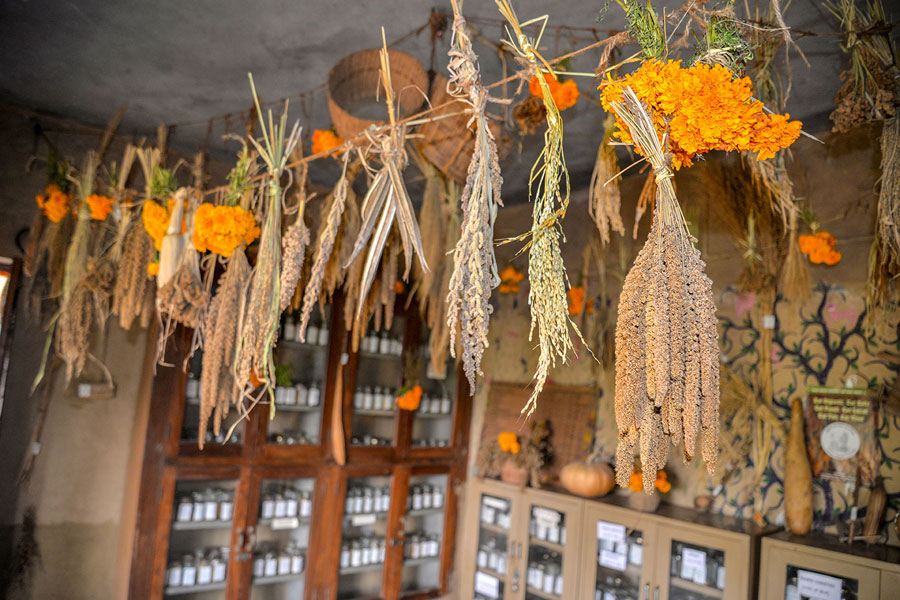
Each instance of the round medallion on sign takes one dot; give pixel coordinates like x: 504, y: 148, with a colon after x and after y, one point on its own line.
x: 840, y: 440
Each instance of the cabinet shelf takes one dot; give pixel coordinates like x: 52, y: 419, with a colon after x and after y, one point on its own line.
x: 541, y: 594
x: 194, y: 589
x: 696, y: 588
x: 421, y: 512
x: 268, y: 522
x: 379, y: 356
x: 492, y: 573
x: 348, y: 518
x: 417, y: 562
x: 368, y: 412
x: 278, y: 579
x: 430, y: 415
x: 361, y: 569
x: 493, y: 528
x: 200, y: 525
x: 297, y: 409
x: 533, y: 541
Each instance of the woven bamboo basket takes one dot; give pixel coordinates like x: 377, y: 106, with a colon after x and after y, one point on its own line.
x: 353, y: 87
x: 447, y: 142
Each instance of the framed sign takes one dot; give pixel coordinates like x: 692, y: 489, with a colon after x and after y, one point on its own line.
x: 840, y: 425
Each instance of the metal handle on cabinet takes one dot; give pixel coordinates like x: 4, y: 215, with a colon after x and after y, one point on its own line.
x: 250, y: 540
x: 519, y: 550
x: 514, y: 585
x: 646, y: 591
x: 656, y: 593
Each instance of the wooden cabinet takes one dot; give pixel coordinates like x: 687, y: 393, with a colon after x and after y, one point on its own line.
x: 278, y: 517
x: 535, y: 544
x: 792, y: 566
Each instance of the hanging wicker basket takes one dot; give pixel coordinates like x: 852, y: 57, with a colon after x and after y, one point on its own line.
x: 447, y: 142
x: 353, y: 87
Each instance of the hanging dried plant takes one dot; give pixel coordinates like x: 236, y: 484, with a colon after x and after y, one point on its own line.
x: 889, y: 194
x: 667, y: 354
x: 474, y: 264
x: 547, y: 277
x: 261, y: 311
x: 604, y: 200
x: 386, y: 199
x: 133, y: 282
x: 217, y: 383
x: 295, y: 240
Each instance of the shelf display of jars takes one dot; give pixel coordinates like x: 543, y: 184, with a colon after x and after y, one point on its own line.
x: 546, y: 547
x: 363, y: 532
x: 283, y: 537
x: 424, y: 525
x: 199, y: 572
x: 433, y: 421
x: 495, y: 521
x: 191, y: 421
x: 620, y: 557
x: 696, y: 572
x: 379, y: 376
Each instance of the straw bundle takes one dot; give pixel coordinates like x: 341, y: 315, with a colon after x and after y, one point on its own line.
x: 547, y: 277
x: 604, y: 200
x: 261, y: 311
x: 667, y: 355
x: 474, y: 264
x: 386, y: 201
x: 133, y: 283
x: 294, y: 242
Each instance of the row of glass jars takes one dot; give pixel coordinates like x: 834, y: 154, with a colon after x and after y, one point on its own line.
x: 298, y: 395
x: 429, y: 443
x: 372, y: 343
x: 203, y: 567
x: 211, y: 504
x: 421, y: 545
x: 425, y: 496
x: 374, y: 399
x: 491, y: 557
x: 493, y: 516
x: 555, y: 534
x: 433, y: 405
x: 365, y: 500
x: 633, y: 551
x: 613, y: 587
x: 546, y: 575
x: 273, y: 562
x: 713, y: 575
x: 292, y: 438
x: 362, y: 552
x: 288, y: 502
x: 369, y: 440
x: 315, y: 334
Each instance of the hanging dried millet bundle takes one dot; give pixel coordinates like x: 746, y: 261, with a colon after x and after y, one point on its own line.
x: 604, y: 199
x: 667, y: 352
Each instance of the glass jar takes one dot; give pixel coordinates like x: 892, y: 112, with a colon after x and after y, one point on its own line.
x: 424, y: 404
x: 345, y: 556
x: 384, y: 344
x: 358, y: 502
x: 185, y: 509
x: 199, y: 507
x: 204, y: 569
x: 220, y: 565
x: 549, y: 582
x: 259, y: 565
x: 226, y: 506
x: 314, y: 395
x: 291, y: 504
x: 305, y: 504
x: 297, y: 561
x: 302, y: 395
x: 367, y: 503
x: 271, y: 564
x: 192, y: 387
x: 188, y: 571
x: 417, y: 498
x: 385, y: 499
x: 267, y: 510
x: 290, y: 329
x: 173, y: 574
x: 355, y: 554
x: 358, y: 398
x: 280, y: 506
x: 396, y: 347
x: 368, y: 399
x: 437, y: 497
x: 323, y: 335
x: 481, y: 558
x: 284, y: 562
x: 210, y: 505
x: 445, y: 404
x: 312, y: 334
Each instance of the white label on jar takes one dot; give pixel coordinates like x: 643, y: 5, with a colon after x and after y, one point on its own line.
x: 189, y: 575
x: 199, y: 510
x: 817, y: 586
x: 612, y: 560
x: 271, y: 566
x: 438, y: 500
x: 291, y: 507
x: 693, y: 565
x: 219, y: 571
x: 611, y: 532
x: 259, y: 566
x: 280, y: 508
x: 174, y: 576
x: 211, y: 510
x: 498, y: 503
x: 285, y: 523
x: 284, y: 564
x: 226, y: 508
x: 297, y: 564
x: 487, y: 585
x: 549, y: 580
x: 360, y: 520
x: 184, y: 511
x: 268, y: 508
x: 417, y: 501
x: 204, y: 574
x: 546, y: 518
x: 305, y: 507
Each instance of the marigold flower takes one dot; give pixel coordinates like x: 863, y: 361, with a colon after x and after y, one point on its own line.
x: 153, y: 269
x: 565, y: 93
x: 221, y: 229
x: 576, y: 300
x: 100, y: 206
x: 410, y: 399
x: 510, y: 278
x: 324, y: 140
x: 509, y: 442
x: 156, y: 220
x: 56, y: 204
x: 40, y: 199
x: 819, y: 246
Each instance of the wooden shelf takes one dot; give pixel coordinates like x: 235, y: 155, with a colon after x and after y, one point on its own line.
x: 368, y: 412
x: 533, y: 541
x: 493, y: 528
x: 696, y: 588
x: 278, y: 579
x: 268, y: 522
x: 361, y: 569
x: 297, y: 409
x: 200, y: 525
x: 430, y: 415
x: 491, y: 572
x: 541, y: 594
x: 424, y: 511
x: 193, y: 589
x: 418, y: 562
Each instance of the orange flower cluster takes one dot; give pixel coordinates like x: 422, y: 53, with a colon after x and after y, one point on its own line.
x: 409, y: 400
x: 221, y: 229
x: 577, y: 304
x: 54, y: 202
x: 324, y: 140
x: 820, y: 248
x: 100, y: 206
x: 705, y: 107
x: 509, y: 442
x: 565, y: 93
x: 636, y: 483
x: 509, y: 280
x: 156, y: 221
x: 153, y: 268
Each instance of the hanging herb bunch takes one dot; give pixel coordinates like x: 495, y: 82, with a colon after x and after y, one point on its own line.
x: 548, y: 190
x: 667, y: 353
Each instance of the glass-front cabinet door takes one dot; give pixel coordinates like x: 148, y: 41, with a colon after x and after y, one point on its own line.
x: 301, y: 371
x: 216, y: 442
x: 701, y: 563
x: 617, y: 554
x: 199, y: 544
x: 423, y: 526
x: 499, y: 571
x: 367, y: 502
x: 551, y: 556
x: 432, y: 425
x: 281, y: 538
x: 792, y: 572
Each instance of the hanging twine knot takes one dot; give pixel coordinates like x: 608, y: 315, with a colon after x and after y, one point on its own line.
x: 663, y: 172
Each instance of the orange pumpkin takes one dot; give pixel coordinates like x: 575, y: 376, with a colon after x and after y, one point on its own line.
x: 586, y: 479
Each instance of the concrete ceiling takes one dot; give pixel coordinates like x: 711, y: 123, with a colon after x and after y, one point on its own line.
x: 182, y: 62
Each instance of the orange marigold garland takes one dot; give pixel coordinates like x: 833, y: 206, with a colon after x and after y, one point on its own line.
x: 221, y: 229
x: 324, y: 140
x: 100, y: 206
x: 701, y: 108
x: 819, y: 247
x: 509, y: 442
x: 565, y: 93
x: 54, y: 202
x: 410, y: 398
x: 156, y: 220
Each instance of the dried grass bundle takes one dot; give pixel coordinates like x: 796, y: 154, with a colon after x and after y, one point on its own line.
x: 547, y: 277
x: 667, y: 352
x: 474, y: 272
x: 261, y: 310
x: 386, y: 201
x: 295, y: 240
x: 604, y: 200
x: 133, y: 282
x: 889, y: 194
x: 217, y: 383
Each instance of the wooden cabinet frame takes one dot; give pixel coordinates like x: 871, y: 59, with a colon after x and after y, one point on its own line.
x: 168, y: 459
